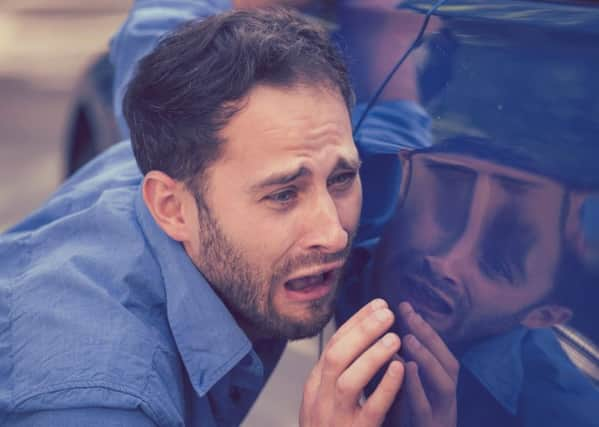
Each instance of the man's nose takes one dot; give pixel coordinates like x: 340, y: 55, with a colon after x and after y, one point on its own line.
x: 446, y: 267
x: 323, y: 229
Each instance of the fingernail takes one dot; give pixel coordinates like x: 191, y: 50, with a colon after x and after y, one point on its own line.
x: 405, y: 307
x: 389, y: 340
x: 383, y: 314
x: 395, y: 368
x: 378, y: 303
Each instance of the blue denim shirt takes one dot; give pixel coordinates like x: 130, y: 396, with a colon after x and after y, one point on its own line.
x: 104, y: 319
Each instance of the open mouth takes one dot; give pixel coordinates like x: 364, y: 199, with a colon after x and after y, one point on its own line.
x: 311, y: 287
x: 425, y: 295
x: 306, y: 283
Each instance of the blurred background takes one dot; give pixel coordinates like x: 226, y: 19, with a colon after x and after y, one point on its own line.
x: 45, y: 46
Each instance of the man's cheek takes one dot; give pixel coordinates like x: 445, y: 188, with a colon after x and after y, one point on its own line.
x: 349, y: 213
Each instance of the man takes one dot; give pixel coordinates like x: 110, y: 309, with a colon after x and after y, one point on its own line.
x: 479, y: 277
x: 159, y: 285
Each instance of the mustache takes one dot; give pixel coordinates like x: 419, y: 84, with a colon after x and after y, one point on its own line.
x: 415, y: 266
x: 315, y: 258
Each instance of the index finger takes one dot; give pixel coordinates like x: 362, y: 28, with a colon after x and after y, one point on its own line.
x: 363, y: 313
x: 430, y: 339
x: 352, y: 322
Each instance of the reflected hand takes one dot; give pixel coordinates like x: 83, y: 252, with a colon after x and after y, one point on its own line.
x: 350, y: 360
x: 429, y: 395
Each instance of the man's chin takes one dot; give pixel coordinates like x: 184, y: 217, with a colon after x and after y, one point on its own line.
x: 300, y: 320
x: 302, y: 331
x: 306, y: 325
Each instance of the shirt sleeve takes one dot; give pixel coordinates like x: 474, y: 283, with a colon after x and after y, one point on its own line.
x: 146, y: 23
x: 89, y: 417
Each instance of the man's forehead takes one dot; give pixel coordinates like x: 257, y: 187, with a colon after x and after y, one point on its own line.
x: 296, y: 119
x: 534, y: 199
x: 277, y: 101
x: 277, y: 127
x: 498, y: 171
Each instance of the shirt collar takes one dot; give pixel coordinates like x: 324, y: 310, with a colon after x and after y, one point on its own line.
x: 497, y: 363
x: 206, y: 335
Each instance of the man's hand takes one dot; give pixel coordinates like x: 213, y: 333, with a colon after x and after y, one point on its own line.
x: 350, y: 360
x: 429, y: 396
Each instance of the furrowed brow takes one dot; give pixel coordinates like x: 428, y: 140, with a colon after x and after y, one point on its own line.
x: 353, y: 164
x: 280, y: 178
x: 515, y: 184
x: 442, y: 166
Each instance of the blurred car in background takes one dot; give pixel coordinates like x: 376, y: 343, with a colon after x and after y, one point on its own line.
x: 91, y: 126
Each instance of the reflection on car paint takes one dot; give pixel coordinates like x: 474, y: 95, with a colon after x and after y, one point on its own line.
x: 492, y: 234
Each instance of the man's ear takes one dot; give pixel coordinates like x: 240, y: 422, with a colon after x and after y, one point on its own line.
x: 546, y: 316
x: 166, y: 200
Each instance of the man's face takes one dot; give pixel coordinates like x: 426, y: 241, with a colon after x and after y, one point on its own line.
x: 282, y: 203
x: 474, y: 246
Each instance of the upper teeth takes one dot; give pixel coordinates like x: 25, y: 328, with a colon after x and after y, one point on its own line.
x: 306, y: 281
x: 312, y: 280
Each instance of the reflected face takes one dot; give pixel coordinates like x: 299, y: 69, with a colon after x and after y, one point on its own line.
x: 281, y: 206
x: 474, y: 245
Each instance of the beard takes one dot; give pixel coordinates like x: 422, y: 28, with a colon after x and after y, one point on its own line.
x: 248, y: 292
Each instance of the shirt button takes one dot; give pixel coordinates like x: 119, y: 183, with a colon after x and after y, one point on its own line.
x: 235, y: 394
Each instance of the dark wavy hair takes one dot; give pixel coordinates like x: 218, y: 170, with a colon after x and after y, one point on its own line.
x: 197, y: 78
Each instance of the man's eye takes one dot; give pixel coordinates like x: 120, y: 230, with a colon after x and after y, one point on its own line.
x: 342, y: 179
x: 283, y: 197
x: 497, y: 267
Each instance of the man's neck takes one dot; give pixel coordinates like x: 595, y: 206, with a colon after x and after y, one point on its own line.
x: 253, y: 333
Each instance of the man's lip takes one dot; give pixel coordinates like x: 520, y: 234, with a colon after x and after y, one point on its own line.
x: 426, y: 283
x: 327, y: 268
x: 329, y: 274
